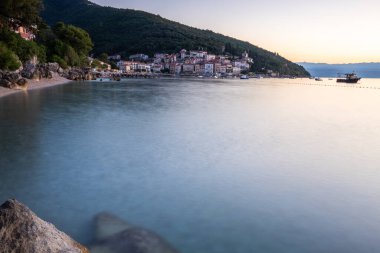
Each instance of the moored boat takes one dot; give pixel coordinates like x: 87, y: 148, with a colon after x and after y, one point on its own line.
x: 349, y: 78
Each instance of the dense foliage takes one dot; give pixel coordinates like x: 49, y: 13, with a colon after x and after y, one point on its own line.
x: 25, y: 11
x: 25, y: 50
x: 66, y: 44
x: 8, y: 59
x: 128, y: 31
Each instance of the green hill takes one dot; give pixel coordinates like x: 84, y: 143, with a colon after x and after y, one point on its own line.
x: 126, y: 32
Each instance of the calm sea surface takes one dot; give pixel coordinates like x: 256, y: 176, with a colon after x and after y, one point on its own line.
x: 213, y: 166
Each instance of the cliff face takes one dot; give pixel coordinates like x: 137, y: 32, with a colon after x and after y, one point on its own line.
x: 22, y: 231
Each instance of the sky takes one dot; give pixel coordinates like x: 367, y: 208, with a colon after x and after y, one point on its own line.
x: 328, y: 31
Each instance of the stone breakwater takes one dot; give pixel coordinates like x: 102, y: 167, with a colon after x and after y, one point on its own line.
x: 19, y: 80
x: 22, y: 231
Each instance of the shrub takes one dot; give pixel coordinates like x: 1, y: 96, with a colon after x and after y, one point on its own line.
x: 62, y: 63
x: 8, y: 59
x: 25, y: 50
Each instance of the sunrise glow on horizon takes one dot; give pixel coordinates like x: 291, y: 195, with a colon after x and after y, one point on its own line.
x: 334, y: 31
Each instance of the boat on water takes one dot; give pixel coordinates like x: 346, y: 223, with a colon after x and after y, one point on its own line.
x: 349, y: 78
x: 244, y: 77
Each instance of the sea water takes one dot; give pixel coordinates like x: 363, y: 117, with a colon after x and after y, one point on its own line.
x: 214, y: 166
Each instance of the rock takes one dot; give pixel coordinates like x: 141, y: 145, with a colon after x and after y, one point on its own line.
x: 22, y: 231
x: 114, y: 235
x: 53, y: 67
x: 30, y: 71
x: 39, y: 71
x: 11, y: 77
x: 107, y: 224
x: 22, y: 84
x: 5, y: 83
x: 78, y: 74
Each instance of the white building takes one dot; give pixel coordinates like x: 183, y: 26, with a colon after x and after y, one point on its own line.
x: 124, y: 66
x: 139, y: 57
x: 236, y: 70
x: 156, y: 68
x: 241, y: 65
x: 198, y: 54
x: 183, y: 53
x: 209, y: 68
x: 210, y: 57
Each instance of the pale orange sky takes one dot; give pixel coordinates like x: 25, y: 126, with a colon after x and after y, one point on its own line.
x: 331, y: 31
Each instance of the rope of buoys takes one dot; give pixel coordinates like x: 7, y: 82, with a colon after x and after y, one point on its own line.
x: 336, y: 85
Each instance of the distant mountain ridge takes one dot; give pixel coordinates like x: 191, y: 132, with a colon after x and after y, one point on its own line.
x: 366, y: 70
x: 126, y: 32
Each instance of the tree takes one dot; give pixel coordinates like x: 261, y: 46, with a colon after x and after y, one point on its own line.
x: 8, y: 59
x: 66, y: 44
x: 25, y: 11
x: 76, y: 37
x: 103, y: 57
x: 96, y: 64
x: 25, y: 50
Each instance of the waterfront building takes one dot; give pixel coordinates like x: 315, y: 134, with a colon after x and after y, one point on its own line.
x: 188, y: 68
x: 124, y: 66
x: 209, y: 68
x: 236, y: 70
x: 198, y: 69
x: 156, y: 68
x: 178, y: 68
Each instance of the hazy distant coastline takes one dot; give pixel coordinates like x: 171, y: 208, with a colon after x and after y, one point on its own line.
x: 365, y: 70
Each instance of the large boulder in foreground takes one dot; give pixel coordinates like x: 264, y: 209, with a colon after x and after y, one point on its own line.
x: 114, y: 235
x: 22, y: 231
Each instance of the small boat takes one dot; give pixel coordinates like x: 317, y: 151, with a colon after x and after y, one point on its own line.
x: 244, y: 77
x: 318, y: 79
x: 349, y: 78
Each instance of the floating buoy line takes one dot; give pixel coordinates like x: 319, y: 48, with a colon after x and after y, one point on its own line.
x: 353, y: 86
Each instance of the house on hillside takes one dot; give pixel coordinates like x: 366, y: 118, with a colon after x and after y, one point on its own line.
x: 25, y: 33
x: 139, y: 57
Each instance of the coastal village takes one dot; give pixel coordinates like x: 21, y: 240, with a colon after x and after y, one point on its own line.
x: 188, y: 63
x: 197, y: 63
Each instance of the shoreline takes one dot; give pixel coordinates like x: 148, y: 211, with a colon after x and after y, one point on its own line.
x: 34, y: 85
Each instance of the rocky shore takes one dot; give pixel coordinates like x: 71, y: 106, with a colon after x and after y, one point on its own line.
x: 22, y: 231
x: 32, y: 76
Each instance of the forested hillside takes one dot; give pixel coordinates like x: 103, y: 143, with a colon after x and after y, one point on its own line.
x: 126, y: 32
